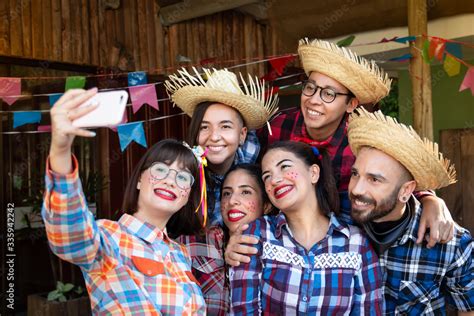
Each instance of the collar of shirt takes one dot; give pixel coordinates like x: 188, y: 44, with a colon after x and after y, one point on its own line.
x: 412, y: 229
x: 334, y: 226
x: 301, y: 134
x: 145, y: 231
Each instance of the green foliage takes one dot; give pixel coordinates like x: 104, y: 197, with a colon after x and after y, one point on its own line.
x: 346, y: 41
x: 64, y: 292
x: 389, y: 104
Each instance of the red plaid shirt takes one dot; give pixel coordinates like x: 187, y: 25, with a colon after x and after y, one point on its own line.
x: 290, y: 126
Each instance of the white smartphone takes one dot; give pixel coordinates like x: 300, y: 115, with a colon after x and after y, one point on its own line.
x: 110, y: 111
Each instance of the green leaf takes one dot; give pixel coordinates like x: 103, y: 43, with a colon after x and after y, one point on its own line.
x: 79, y: 290
x: 62, y: 298
x: 53, y: 295
x: 68, y: 287
x: 60, y: 286
x: 346, y: 41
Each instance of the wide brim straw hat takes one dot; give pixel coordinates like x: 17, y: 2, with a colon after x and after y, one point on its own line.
x: 362, y: 77
x: 222, y: 86
x: 420, y: 157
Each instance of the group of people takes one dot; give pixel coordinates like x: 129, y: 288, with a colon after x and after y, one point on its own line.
x: 328, y: 211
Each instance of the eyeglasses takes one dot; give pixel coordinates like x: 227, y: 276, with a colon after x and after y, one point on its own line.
x: 160, y: 171
x: 328, y: 95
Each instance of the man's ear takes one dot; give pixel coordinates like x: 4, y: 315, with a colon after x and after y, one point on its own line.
x: 353, y: 103
x: 406, y: 191
x: 243, y: 135
x: 314, y: 171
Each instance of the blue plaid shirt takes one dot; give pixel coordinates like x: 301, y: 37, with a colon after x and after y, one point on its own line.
x: 418, y: 280
x: 247, y: 153
x: 340, y: 275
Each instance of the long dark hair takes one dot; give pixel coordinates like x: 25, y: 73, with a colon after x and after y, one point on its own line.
x: 185, y: 221
x: 326, y: 189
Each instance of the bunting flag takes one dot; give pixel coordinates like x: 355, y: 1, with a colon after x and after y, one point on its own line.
x: 53, y: 98
x: 131, y: 132
x: 137, y: 78
x: 425, y: 53
x: 143, y: 94
x: 22, y: 118
x: 346, y: 41
x: 405, y: 39
x: 454, y: 49
x: 10, y: 89
x: 401, y: 58
x: 44, y: 128
x: 468, y: 82
x: 451, y: 66
x: 270, y: 76
x: 436, y: 48
x: 280, y: 63
x: 75, y: 82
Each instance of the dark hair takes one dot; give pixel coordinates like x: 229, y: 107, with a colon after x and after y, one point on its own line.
x: 185, y: 221
x: 326, y: 190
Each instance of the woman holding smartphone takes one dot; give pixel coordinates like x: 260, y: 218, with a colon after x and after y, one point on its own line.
x: 130, y: 266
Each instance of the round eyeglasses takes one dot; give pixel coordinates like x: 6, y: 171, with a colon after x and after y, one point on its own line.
x: 160, y: 171
x: 328, y: 95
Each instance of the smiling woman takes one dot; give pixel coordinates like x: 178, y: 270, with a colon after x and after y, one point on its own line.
x: 130, y: 265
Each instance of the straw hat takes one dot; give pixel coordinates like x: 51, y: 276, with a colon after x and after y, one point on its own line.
x: 222, y: 86
x: 363, y: 78
x: 420, y: 156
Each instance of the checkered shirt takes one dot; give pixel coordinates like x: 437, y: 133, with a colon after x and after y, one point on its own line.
x: 130, y: 267
x: 420, y: 281
x: 340, y: 275
x: 207, y: 254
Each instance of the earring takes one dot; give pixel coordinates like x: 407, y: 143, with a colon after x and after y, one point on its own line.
x: 139, y: 185
x: 404, y: 199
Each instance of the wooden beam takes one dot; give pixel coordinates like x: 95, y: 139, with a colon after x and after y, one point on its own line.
x: 43, y: 63
x: 420, y: 71
x: 193, y: 9
x: 258, y: 10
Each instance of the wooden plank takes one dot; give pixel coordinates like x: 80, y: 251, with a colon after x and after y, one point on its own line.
x: 103, y: 49
x: 172, y: 47
x: 133, y: 27
x: 109, y: 45
x: 142, y: 26
x: 86, y: 51
x: 5, y: 27
x: 228, y: 39
x: 467, y: 175
x: 210, y: 36
x: 159, y: 39
x: 76, y: 32
x: 219, y: 37
x: 150, y: 27
x: 197, y: 52
x: 260, y: 50
x: 37, y: 27
x: 450, y: 146
x: 26, y: 27
x: 189, y: 41
x: 56, y: 24
x: 94, y: 32
x: 47, y: 28
x: 203, y: 44
x: 16, y: 42
x: 249, y: 43
x: 66, y: 31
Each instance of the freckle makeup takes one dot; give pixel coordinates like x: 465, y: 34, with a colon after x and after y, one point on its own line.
x: 252, y: 207
x: 293, y: 175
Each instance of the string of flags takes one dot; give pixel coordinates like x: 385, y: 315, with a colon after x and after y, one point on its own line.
x: 141, y: 92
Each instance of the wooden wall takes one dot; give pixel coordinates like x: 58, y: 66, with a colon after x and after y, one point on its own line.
x: 84, y: 32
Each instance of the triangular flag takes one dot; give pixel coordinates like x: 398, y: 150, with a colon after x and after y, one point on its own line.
x: 401, y: 58
x: 280, y: 63
x: 75, y: 82
x: 53, y: 98
x: 137, y: 78
x: 386, y: 40
x: 405, y: 39
x: 346, y: 41
x: 451, y: 66
x: 10, y: 89
x: 454, y: 49
x: 22, y: 118
x: 131, y: 132
x: 425, y: 53
x: 436, y: 49
x: 44, y: 128
x: 468, y: 81
x: 270, y: 76
x: 143, y: 94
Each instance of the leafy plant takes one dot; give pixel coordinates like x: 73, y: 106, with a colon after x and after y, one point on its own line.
x: 389, y: 104
x: 64, y: 292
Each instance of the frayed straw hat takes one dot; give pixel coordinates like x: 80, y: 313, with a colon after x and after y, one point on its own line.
x: 363, y: 78
x: 222, y: 86
x: 420, y: 156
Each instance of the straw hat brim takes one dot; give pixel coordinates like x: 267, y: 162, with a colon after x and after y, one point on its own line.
x: 253, y: 113
x: 366, y: 86
x: 412, y: 152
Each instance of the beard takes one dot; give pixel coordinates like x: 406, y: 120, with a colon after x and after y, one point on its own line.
x: 379, y: 210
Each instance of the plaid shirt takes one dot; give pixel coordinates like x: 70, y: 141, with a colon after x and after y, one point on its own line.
x: 247, y: 153
x: 130, y: 267
x: 419, y: 281
x: 207, y: 254
x: 290, y: 126
x: 340, y: 275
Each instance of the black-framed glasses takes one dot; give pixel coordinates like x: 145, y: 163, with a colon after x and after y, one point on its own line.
x: 183, y: 179
x: 328, y: 95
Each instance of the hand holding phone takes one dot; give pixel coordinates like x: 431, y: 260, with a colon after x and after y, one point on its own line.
x: 109, y: 112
